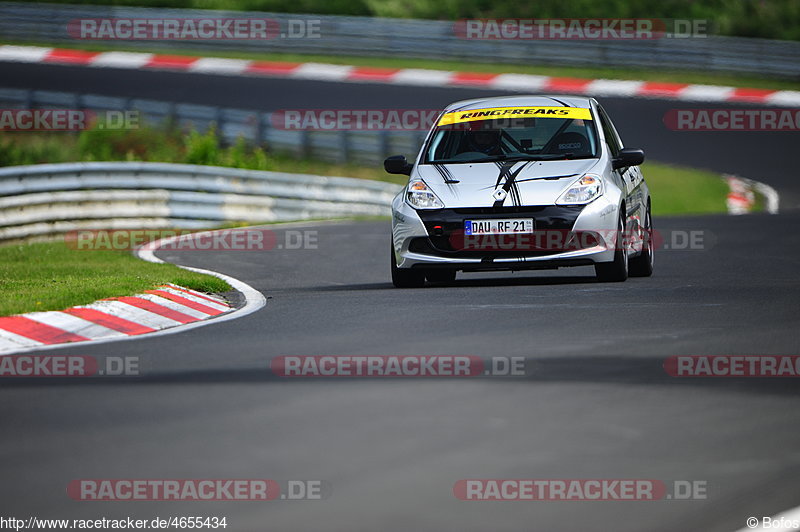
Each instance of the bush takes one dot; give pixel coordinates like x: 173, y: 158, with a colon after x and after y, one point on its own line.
x: 143, y: 144
x: 35, y: 148
x: 167, y: 144
x: 770, y: 19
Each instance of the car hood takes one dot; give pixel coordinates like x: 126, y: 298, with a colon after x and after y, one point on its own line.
x: 473, y: 184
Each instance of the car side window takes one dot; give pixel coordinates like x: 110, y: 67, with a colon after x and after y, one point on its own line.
x: 612, y: 139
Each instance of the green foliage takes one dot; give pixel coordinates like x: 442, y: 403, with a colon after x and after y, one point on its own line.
x: 202, y: 148
x: 143, y: 144
x: 770, y: 19
x: 33, y: 148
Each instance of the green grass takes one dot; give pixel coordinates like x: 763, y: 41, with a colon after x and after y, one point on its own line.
x: 678, y: 190
x: 51, y: 276
x: 655, y: 74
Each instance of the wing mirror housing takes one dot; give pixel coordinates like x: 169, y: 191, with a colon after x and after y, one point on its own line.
x: 397, y: 164
x: 628, y: 157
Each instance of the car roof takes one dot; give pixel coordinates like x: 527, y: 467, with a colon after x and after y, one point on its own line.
x: 522, y: 101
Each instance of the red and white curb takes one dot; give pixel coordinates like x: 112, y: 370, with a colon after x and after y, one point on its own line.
x: 162, y: 308
x: 742, y: 195
x: 400, y: 76
x: 165, y: 310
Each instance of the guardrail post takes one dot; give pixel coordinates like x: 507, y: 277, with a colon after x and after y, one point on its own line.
x: 344, y: 146
x: 305, y: 143
x: 384, y: 143
x: 259, y: 129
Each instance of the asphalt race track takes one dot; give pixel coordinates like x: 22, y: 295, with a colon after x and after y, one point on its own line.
x: 595, y: 403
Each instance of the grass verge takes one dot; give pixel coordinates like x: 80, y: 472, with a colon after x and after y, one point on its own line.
x: 677, y: 190
x: 51, y: 276
x: 662, y: 75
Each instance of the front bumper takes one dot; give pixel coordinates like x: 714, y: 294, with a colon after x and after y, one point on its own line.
x: 583, y: 235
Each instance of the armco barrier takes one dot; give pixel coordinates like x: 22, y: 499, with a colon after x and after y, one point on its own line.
x: 50, y: 199
x: 427, y: 39
x: 346, y: 146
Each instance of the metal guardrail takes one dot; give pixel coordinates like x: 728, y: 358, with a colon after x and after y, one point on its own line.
x: 345, y: 146
x: 427, y: 39
x: 50, y: 199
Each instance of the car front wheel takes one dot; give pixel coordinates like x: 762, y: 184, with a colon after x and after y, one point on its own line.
x: 405, y: 277
x: 616, y: 270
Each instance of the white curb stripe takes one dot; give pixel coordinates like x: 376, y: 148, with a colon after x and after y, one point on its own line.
x: 7, y: 344
x: 771, y: 195
x: 321, y: 71
x: 418, y: 76
x: 213, y: 65
x: 200, y: 295
x: 519, y: 82
x: 192, y: 297
x: 134, y: 314
x: 9, y: 340
x: 614, y: 87
x: 706, y: 93
x: 788, y: 98
x: 121, y: 60
x: 172, y: 305
x: 23, y: 54
x: 74, y: 324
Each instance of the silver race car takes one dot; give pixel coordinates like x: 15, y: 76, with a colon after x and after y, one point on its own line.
x: 522, y: 182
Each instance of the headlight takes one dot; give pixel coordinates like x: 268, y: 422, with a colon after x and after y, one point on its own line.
x: 420, y: 196
x: 586, y: 189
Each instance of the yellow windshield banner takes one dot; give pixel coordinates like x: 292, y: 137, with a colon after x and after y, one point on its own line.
x: 494, y: 113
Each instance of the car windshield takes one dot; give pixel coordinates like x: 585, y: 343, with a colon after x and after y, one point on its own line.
x: 512, y: 133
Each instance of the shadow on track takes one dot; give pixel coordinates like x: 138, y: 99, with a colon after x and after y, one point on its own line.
x: 458, y: 283
x: 540, y: 371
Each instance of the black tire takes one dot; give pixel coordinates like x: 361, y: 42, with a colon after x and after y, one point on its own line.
x: 642, y: 266
x: 440, y: 276
x: 617, y: 270
x: 406, y: 277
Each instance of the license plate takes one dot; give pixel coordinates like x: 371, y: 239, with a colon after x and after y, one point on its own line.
x: 509, y: 226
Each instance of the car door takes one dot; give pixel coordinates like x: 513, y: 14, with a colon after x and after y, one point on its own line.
x: 630, y: 178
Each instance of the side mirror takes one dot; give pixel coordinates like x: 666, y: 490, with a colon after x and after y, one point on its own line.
x: 628, y: 157
x: 397, y: 164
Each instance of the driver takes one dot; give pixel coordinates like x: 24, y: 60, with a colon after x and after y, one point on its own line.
x: 485, y: 141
